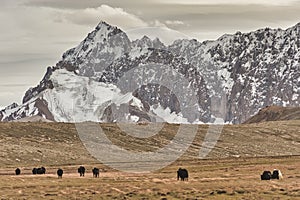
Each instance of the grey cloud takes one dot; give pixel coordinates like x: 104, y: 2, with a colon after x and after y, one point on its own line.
x: 208, y: 17
x: 228, y: 2
x: 109, y: 14
x: 202, y: 20
x: 63, y: 4
x: 79, y: 4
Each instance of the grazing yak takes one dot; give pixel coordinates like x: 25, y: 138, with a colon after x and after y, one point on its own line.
x: 266, y: 175
x: 60, y: 173
x: 34, y: 171
x: 18, y: 171
x: 41, y: 170
x: 182, y: 174
x: 81, y: 170
x: 277, y: 174
x: 95, y: 172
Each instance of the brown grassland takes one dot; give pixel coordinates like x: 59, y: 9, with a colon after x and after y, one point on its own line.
x: 230, y: 171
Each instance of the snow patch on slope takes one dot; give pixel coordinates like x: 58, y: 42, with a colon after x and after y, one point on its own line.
x: 167, y: 116
x: 77, y: 98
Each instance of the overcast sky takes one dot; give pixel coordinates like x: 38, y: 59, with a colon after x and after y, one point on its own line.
x: 35, y: 33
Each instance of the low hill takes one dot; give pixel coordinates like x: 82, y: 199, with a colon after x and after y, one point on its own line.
x: 275, y: 113
x: 54, y: 144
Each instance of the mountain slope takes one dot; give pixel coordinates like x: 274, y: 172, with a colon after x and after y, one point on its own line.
x: 275, y: 113
x: 109, y: 78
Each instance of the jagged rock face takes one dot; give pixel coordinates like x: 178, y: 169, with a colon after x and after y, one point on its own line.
x: 165, y: 70
x: 146, y: 42
x: 43, y: 85
x: 99, y: 49
x: 231, y: 78
x: 11, y: 106
x: 253, y: 70
x: 37, y: 107
x: 3, y: 111
x: 153, y: 94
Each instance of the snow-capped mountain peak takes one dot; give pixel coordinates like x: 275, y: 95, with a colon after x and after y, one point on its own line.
x: 232, y: 78
x: 101, y: 47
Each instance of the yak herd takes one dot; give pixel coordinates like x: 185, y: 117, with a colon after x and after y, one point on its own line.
x: 60, y: 172
x: 182, y: 174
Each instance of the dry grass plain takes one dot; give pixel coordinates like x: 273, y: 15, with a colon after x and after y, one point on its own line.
x: 231, y: 171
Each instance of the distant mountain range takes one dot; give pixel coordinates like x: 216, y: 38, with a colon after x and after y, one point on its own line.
x: 109, y: 78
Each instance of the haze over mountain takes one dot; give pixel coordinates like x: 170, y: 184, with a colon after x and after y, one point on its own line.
x: 110, y: 78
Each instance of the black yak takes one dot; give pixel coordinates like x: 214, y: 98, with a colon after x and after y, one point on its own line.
x: 95, y: 172
x: 40, y: 170
x: 81, y: 170
x: 18, y: 171
x: 266, y: 175
x: 34, y: 171
x: 182, y: 174
x: 277, y: 174
x: 60, y: 173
